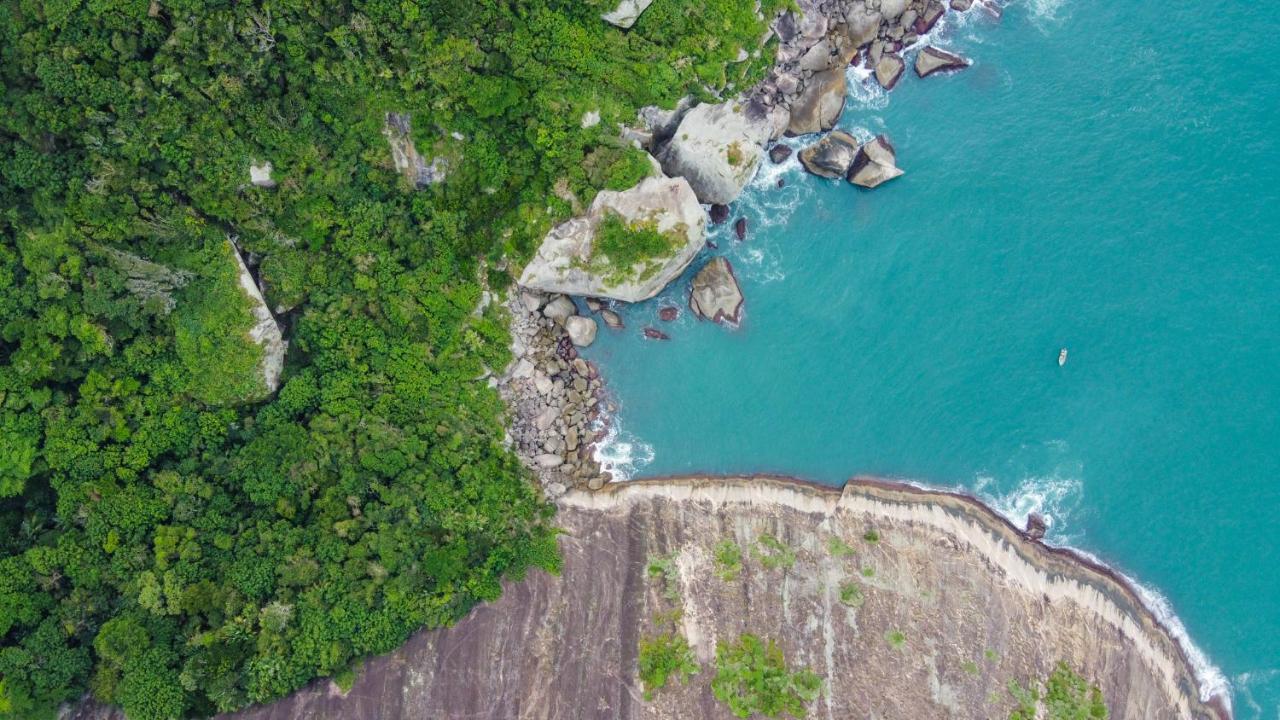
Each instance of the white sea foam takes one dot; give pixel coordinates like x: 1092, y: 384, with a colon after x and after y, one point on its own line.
x: 1056, y: 497
x: 621, y: 453
x: 1212, y: 681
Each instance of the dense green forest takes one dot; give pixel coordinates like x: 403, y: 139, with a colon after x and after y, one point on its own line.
x: 170, y: 541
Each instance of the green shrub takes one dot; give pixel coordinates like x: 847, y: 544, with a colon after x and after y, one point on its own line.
x: 752, y: 677
x: 851, y: 594
x: 728, y: 558
x: 663, y: 568
x: 663, y: 656
x: 839, y: 548
x: 1064, y: 695
x: 619, y: 247
x: 895, y: 638
x: 772, y: 553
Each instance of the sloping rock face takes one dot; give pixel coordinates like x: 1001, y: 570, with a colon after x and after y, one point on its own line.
x: 626, y: 13
x: 567, y: 262
x: 717, y: 148
x: 716, y: 295
x: 265, y: 332
x: 404, y: 153
x: 875, y: 163
x: 975, y: 603
x: 831, y: 156
x: 931, y: 60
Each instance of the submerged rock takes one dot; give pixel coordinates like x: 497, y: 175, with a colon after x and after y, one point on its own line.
x: 875, y: 163
x: 655, y: 334
x: 668, y: 313
x: 740, y: 228
x: 831, y: 156
x: 569, y: 262
x: 612, y: 320
x: 717, y: 148
x: 932, y: 60
x: 716, y: 295
x: 889, y: 70
x: 626, y: 13
x: 820, y: 103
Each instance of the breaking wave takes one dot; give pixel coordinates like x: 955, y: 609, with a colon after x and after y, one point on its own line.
x: 621, y: 453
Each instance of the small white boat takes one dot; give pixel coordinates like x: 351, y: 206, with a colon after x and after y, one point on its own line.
x: 1062, y: 357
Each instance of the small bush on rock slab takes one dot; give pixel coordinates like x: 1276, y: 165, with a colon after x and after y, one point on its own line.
x: 752, y: 677
x: 663, y: 656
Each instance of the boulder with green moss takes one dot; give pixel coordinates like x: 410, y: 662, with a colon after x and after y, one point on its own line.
x: 718, y: 147
x: 628, y: 246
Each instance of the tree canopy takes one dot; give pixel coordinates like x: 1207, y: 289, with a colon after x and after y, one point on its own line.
x: 170, y: 543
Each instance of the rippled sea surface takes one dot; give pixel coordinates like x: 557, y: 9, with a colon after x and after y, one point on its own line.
x: 1104, y: 178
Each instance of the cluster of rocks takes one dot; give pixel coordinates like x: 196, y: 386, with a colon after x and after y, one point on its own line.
x: 817, y: 43
x: 556, y: 398
x: 839, y: 154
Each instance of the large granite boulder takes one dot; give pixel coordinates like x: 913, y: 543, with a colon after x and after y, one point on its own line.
x: 820, y: 103
x: 875, y: 163
x: 831, y: 156
x: 889, y: 70
x: 861, y: 25
x: 932, y: 60
x: 582, y: 330
x: 716, y: 295
x: 893, y: 9
x: 398, y: 131
x: 264, y: 332
x: 570, y: 262
x: 626, y: 13
x: 717, y: 148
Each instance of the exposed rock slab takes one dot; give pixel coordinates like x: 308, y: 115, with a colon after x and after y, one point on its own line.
x: 626, y: 13
x: 568, y: 263
x: 831, y: 156
x: 717, y: 148
x: 931, y: 60
x: 716, y: 295
x: 260, y: 174
x: 264, y: 332
x: 976, y: 603
x: 875, y: 164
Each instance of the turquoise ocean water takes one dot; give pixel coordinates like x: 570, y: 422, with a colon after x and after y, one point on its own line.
x: 1104, y: 178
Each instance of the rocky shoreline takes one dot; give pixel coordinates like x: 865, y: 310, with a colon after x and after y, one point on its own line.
x: 701, y: 153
